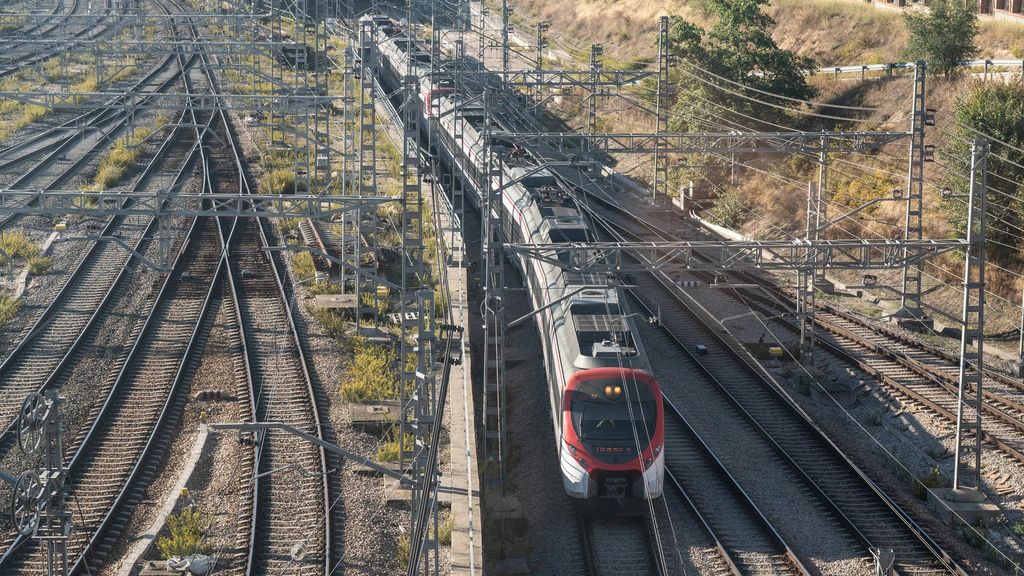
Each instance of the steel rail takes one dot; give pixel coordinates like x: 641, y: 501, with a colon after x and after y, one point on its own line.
x: 11, y: 65
x: 302, y: 362
x: 885, y: 343
x: 12, y: 394
x: 733, y: 551
x: 15, y: 36
x: 147, y: 173
x: 120, y: 381
x: 630, y: 535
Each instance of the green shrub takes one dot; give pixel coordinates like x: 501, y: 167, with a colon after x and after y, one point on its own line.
x: 18, y: 246
x: 278, y: 181
x: 371, y: 300
x: 370, y: 374
x: 86, y: 202
x: 186, y: 534
x: 390, y: 450
x: 332, y: 325
x: 933, y: 479
x: 303, y: 265
x: 288, y: 226
x: 402, y: 551
x: 730, y: 209
x: 115, y: 164
x: 944, y: 35
x: 322, y: 287
x: 39, y: 265
x: 9, y: 306
x: 444, y: 531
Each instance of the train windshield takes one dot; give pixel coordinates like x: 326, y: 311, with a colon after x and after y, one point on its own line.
x: 614, y: 413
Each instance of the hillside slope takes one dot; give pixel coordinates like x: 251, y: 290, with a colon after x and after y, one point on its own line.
x: 833, y: 32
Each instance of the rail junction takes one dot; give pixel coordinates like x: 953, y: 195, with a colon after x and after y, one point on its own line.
x: 194, y: 156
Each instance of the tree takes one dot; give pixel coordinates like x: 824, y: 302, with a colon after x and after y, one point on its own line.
x: 728, y: 75
x: 997, y: 111
x: 738, y: 47
x: 944, y: 35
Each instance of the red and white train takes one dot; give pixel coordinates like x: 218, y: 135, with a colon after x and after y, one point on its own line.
x: 606, y: 406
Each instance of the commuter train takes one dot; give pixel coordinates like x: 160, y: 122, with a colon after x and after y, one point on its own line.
x: 606, y: 406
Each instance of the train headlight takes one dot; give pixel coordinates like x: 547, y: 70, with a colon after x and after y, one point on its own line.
x: 648, y: 462
x: 612, y: 392
x: 657, y: 450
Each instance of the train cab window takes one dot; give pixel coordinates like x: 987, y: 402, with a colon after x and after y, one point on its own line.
x: 613, y: 412
x: 602, y: 331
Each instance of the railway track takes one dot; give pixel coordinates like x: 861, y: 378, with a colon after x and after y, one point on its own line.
x: 32, y: 28
x: 290, y: 509
x: 50, y: 350
x: 119, y: 453
x: 18, y: 55
x: 919, y: 374
x: 615, y: 545
x: 118, y: 456
x: 47, y: 350
x: 102, y: 121
x: 841, y: 486
x: 747, y: 541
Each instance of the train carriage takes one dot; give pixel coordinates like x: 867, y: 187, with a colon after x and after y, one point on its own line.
x: 606, y: 407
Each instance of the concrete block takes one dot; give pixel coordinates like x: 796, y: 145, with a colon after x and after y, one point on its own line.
x: 910, y: 321
x: 955, y: 506
x: 1016, y: 368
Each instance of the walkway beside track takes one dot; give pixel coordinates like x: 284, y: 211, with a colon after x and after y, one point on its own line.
x: 461, y: 480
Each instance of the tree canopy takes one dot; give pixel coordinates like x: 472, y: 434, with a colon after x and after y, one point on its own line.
x: 738, y: 47
x: 996, y: 110
x: 944, y: 35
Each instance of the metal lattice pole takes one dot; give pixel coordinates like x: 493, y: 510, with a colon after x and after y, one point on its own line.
x: 366, y: 180
x: 538, y: 65
x: 967, y: 467
x: 596, y: 50
x: 806, y: 274
x: 482, y: 35
x: 459, y: 124
x: 494, y: 282
x: 661, y: 114
x: 506, y: 11
x: 911, y: 302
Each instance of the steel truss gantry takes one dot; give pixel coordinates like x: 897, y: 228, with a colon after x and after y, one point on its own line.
x: 174, y: 203
x: 736, y: 142
x: 712, y: 255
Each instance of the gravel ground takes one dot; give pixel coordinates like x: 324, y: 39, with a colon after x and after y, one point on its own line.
x: 101, y: 355
x: 919, y: 440
x: 64, y: 255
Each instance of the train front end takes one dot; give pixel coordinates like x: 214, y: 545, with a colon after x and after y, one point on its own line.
x: 613, y: 435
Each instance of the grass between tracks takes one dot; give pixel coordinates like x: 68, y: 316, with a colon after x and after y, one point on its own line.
x: 370, y: 374
x: 9, y: 306
x: 116, y: 162
x: 186, y: 535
